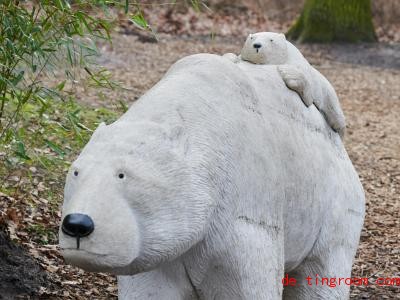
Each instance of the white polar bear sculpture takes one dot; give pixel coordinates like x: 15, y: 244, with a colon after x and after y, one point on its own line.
x: 270, y: 48
x: 203, y: 191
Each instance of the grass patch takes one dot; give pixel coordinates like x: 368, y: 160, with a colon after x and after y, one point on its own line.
x: 48, y: 140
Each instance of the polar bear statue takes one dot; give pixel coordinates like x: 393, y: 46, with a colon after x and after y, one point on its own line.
x: 203, y: 191
x: 273, y: 49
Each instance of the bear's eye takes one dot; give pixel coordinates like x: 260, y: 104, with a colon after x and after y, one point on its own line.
x: 121, y: 175
x: 76, y: 173
x: 271, y: 40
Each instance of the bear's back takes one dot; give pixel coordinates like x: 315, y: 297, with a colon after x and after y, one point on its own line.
x: 242, y: 119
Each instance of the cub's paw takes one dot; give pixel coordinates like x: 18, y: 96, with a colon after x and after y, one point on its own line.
x: 295, y: 80
x: 293, y: 77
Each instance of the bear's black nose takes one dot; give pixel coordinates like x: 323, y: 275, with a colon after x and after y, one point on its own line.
x: 257, y: 45
x: 77, y: 225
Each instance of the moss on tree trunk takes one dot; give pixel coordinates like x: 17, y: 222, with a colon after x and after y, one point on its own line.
x: 334, y: 20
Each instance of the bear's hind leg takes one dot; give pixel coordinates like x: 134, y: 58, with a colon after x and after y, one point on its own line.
x: 309, y: 283
x: 328, y: 104
x: 334, y: 114
x: 331, y: 258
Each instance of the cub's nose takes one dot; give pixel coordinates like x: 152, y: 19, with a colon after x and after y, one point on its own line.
x: 257, y: 45
x: 77, y: 225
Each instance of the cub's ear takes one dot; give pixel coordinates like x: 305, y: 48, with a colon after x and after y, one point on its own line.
x: 283, y: 35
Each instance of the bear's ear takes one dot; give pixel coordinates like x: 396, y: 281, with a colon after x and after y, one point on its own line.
x: 98, y: 129
x: 283, y: 35
x: 102, y: 124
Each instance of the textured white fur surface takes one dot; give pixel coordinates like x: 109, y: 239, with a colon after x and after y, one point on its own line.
x: 297, y: 73
x: 229, y: 183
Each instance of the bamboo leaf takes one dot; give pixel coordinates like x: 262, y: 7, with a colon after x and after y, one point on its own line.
x: 18, y: 78
x: 21, y: 152
x: 61, y: 85
x: 57, y: 149
x: 126, y: 6
x: 139, y: 20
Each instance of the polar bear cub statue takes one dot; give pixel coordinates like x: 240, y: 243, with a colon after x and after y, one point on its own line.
x: 214, y: 185
x: 270, y: 48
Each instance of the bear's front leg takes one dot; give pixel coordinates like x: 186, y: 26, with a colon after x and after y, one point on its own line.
x: 296, y: 80
x: 243, y: 262
x: 169, y: 281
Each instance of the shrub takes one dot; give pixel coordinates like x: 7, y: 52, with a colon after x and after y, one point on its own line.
x: 35, y: 39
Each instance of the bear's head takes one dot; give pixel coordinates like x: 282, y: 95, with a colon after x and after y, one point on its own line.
x: 265, y: 48
x: 131, y: 200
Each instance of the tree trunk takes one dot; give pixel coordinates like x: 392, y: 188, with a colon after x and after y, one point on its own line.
x: 334, y: 20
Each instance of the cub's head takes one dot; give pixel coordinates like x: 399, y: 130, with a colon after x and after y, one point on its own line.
x: 265, y: 48
x: 131, y: 200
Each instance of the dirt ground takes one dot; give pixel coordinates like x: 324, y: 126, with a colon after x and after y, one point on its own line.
x: 20, y: 274
x: 367, y: 80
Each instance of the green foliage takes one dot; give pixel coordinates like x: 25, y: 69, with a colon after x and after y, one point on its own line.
x: 334, y: 20
x: 37, y: 38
